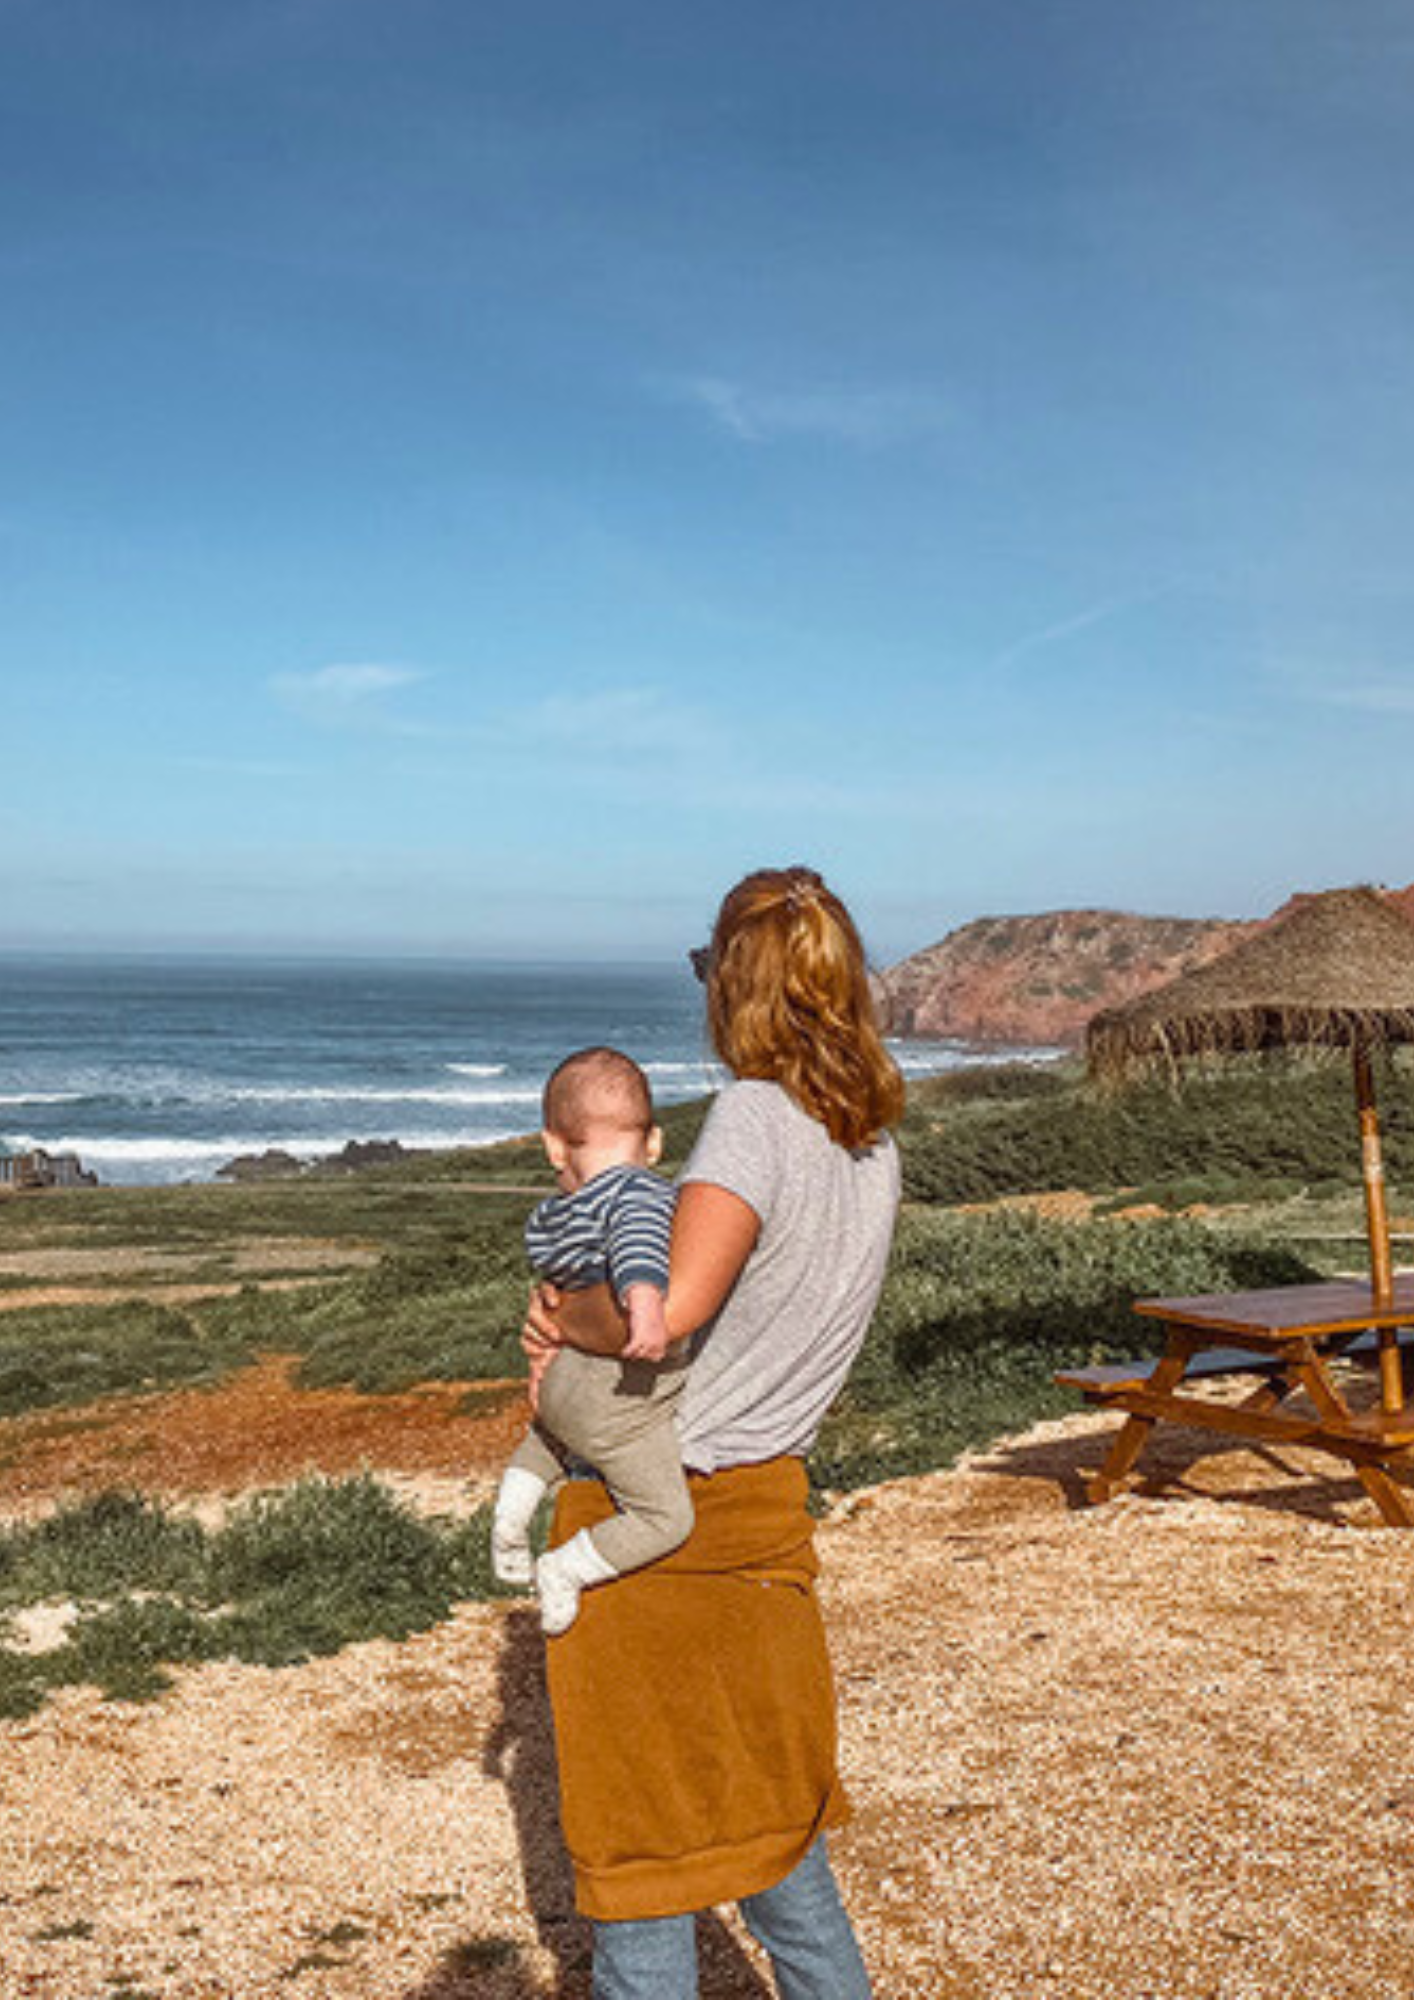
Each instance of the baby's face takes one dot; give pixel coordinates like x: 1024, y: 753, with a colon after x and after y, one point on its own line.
x: 599, y: 1143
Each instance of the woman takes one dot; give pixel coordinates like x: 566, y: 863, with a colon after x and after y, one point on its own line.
x: 694, y: 1711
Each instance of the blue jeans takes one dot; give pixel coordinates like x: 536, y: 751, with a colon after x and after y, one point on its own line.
x: 801, y: 1922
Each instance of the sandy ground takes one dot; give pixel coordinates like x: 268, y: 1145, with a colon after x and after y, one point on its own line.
x: 1156, y: 1750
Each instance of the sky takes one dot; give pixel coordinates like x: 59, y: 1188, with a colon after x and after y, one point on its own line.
x: 476, y: 479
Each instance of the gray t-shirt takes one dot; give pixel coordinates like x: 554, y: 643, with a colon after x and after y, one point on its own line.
x: 767, y: 1368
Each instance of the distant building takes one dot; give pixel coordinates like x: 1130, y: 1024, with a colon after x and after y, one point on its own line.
x: 38, y: 1169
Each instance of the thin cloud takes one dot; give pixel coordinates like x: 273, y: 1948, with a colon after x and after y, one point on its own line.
x: 615, y: 719
x: 348, y: 696
x: 865, y: 418
x: 1080, y: 621
x: 1380, y: 695
x: 245, y: 767
x: 1370, y: 691
x: 641, y: 747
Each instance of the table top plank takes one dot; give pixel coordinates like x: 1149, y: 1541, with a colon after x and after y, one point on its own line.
x: 1287, y: 1312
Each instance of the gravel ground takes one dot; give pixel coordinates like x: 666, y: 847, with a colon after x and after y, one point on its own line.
x: 1155, y: 1750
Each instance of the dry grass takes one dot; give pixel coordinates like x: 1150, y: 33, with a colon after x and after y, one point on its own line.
x: 1152, y: 1750
x: 246, y: 1257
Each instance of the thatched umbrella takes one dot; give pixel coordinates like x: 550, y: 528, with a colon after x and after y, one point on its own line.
x: 1335, y: 973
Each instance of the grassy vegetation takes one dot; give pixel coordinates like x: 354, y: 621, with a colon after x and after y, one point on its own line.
x: 1252, y: 1133
x: 446, y: 1308
x: 391, y: 1210
x: 978, y: 1312
x: 291, y: 1575
x: 450, y: 1312
x: 444, y: 1299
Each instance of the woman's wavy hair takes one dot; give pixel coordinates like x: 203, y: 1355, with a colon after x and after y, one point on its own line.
x: 788, y: 1000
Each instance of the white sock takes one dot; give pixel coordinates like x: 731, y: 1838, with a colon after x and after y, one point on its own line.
x: 563, y: 1574
x: 517, y: 1498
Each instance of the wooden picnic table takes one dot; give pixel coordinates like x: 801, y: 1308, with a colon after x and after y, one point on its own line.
x: 1287, y: 1338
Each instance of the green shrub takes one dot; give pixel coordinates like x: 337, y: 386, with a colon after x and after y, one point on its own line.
x: 1255, y: 1127
x: 52, y: 1355
x: 99, y: 1546
x: 979, y: 1311
x: 312, y: 1568
x: 293, y: 1573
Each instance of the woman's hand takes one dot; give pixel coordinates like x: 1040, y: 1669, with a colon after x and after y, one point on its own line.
x: 589, y: 1319
x: 541, y: 1337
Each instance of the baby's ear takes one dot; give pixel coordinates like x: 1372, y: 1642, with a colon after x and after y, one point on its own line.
x: 556, y: 1151
x: 654, y: 1148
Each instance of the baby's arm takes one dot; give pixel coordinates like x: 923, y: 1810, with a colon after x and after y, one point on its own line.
x: 647, y: 1323
x: 638, y: 1234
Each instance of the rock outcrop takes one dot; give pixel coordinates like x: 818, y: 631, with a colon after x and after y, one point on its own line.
x: 357, y: 1157
x: 271, y: 1165
x: 1035, y: 981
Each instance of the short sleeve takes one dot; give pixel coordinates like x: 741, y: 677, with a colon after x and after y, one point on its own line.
x: 739, y: 1146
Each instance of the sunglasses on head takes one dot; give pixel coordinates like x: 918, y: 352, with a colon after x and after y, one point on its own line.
x: 700, y: 959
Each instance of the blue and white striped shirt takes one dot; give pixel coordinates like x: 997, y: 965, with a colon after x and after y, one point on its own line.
x: 616, y: 1227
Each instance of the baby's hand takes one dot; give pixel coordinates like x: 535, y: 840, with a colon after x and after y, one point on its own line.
x: 647, y: 1324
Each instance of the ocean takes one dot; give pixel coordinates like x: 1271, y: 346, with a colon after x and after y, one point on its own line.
x: 163, y: 1069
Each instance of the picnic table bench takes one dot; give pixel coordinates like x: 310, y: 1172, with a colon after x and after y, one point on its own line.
x: 1287, y: 1340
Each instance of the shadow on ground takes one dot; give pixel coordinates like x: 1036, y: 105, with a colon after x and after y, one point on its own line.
x: 1179, y: 1463
x: 520, y: 1754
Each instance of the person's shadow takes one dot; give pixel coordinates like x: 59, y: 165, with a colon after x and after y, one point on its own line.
x: 520, y: 1754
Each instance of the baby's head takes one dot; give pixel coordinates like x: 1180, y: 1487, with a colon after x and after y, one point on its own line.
x: 597, y: 1112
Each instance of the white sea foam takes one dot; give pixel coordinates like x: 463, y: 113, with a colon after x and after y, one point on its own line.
x: 476, y: 1069
x: 156, y: 1150
x: 703, y: 1068
x: 164, y: 1156
x: 19, y: 1097
x: 324, y: 1093
x: 935, y: 1059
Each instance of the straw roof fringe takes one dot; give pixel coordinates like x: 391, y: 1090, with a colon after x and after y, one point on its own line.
x: 1336, y: 970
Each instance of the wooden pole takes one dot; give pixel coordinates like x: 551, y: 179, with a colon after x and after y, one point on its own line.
x: 1372, y: 1168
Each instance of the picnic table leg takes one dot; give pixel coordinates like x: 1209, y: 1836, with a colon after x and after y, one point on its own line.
x: 1271, y: 1395
x: 1388, y: 1495
x: 1133, y: 1433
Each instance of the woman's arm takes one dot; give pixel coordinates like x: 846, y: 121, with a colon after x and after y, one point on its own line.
x: 714, y: 1232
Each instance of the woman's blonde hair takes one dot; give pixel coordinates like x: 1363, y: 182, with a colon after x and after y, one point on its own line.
x: 788, y: 1000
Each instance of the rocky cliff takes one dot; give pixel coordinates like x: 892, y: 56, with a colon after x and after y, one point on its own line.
x: 1035, y: 981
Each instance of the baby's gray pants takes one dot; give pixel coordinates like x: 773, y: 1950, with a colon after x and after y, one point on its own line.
x: 617, y: 1416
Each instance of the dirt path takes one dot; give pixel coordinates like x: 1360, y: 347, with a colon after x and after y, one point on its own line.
x: 247, y: 1257
x: 256, y: 1428
x: 87, y: 1276
x: 115, y: 1295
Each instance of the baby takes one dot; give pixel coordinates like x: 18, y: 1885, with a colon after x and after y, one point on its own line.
x: 611, y: 1221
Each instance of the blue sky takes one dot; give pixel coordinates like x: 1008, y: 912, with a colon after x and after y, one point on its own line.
x: 476, y: 478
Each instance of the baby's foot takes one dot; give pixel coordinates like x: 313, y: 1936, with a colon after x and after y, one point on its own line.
x: 558, y: 1591
x: 511, y: 1560
x: 563, y: 1574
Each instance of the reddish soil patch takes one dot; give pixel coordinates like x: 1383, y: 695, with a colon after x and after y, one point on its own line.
x: 256, y: 1429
